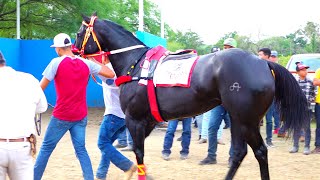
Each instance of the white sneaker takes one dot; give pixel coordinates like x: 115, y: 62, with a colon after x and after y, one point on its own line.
x: 306, y: 151
x: 128, y: 148
x: 184, y: 156
x: 128, y: 174
x: 165, y: 157
x: 201, y: 141
x: 294, y: 150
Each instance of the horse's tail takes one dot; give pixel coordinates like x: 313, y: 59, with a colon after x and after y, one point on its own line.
x: 290, y: 99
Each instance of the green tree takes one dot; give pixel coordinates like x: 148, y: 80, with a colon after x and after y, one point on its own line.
x: 281, y: 44
x: 45, y: 18
x: 298, y: 40
x: 185, y: 40
x: 204, y: 49
x: 126, y: 13
x: 311, y: 30
x: 174, y: 46
x: 40, y: 19
x: 245, y: 43
x: 171, y: 36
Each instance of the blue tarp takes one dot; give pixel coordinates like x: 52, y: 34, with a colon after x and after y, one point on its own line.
x: 32, y: 56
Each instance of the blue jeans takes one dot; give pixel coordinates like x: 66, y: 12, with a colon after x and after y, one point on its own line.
x: 125, y: 138
x: 282, y: 129
x: 186, y: 136
x: 204, y: 125
x: 227, y: 122
x: 110, y: 129
x: 317, y: 113
x: 199, y: 123
x: 220, y: 130
x: 55, y: 131
x: 272, y: 112
x: 215, y: 118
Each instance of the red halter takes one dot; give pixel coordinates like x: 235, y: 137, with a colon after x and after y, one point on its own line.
x: 90, y: 32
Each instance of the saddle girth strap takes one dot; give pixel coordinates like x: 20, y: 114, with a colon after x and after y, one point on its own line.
x: 155, y: 54
x: 153, y: 101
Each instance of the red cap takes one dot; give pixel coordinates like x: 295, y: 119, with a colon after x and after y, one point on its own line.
x: 301, y: 66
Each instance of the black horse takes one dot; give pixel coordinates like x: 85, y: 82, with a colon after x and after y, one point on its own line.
x: 244, y: 84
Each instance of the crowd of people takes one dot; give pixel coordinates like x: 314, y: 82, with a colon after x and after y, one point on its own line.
x: 70, y: 74
x: 211, y: 124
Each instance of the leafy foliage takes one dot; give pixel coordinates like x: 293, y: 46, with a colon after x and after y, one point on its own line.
x: 41, y: 19
x: 186, y: 40
x: 283, y: 60
x: 45, y: 18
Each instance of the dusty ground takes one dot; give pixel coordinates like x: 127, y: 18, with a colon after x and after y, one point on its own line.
x: 64, y: 165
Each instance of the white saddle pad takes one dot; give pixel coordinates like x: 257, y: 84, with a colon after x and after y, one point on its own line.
x: 171, y: 72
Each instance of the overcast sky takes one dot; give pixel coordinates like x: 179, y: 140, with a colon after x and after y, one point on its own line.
x: 211, y: 19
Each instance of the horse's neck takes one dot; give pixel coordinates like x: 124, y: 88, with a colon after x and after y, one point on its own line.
x: 117, y: 38
x: 122, y: 62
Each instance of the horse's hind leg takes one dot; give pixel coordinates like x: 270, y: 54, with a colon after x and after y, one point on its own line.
x: 255, y: 141
x: 239, y: 147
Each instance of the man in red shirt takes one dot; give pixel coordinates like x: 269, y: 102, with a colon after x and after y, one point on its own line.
x: 71, y: 75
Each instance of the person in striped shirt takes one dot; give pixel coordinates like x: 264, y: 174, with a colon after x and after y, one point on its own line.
x: 308, y: 89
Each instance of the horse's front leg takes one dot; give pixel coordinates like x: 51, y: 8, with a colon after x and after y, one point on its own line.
x: 137, y: 131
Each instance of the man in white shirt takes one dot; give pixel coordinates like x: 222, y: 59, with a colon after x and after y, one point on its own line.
x: 112, y: 125
x: 21, y: 97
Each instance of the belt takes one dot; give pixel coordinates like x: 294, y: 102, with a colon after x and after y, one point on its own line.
x: 26, y: 139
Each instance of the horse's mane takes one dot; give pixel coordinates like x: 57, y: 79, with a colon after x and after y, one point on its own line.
x: 121, y: 30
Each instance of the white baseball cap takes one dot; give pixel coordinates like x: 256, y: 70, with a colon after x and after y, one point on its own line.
x: 61, y: 40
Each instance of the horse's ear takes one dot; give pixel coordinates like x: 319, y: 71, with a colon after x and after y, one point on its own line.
x: 85, y: 18
x: 94, y: 13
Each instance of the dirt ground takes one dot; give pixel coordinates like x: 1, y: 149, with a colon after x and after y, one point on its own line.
x: 63, y: 163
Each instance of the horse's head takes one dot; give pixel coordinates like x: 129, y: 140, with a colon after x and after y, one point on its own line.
x: 98, y: 38
x: 88, y: 38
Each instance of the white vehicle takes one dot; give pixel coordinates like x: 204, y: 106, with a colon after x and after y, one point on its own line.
x: 311, y: 60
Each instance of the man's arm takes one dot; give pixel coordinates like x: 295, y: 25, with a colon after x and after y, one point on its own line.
x: 106, y: 72
x: 44, y: 83
x: 39, y: 98
x: 42, y: 104
x: 316, y: 79
x: 316, y: 82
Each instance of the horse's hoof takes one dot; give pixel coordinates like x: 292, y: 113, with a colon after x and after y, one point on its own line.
x: 128, y: 174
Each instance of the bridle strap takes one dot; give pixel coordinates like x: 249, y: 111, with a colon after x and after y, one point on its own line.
x: 90, y: 31
x: 117, y: 51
